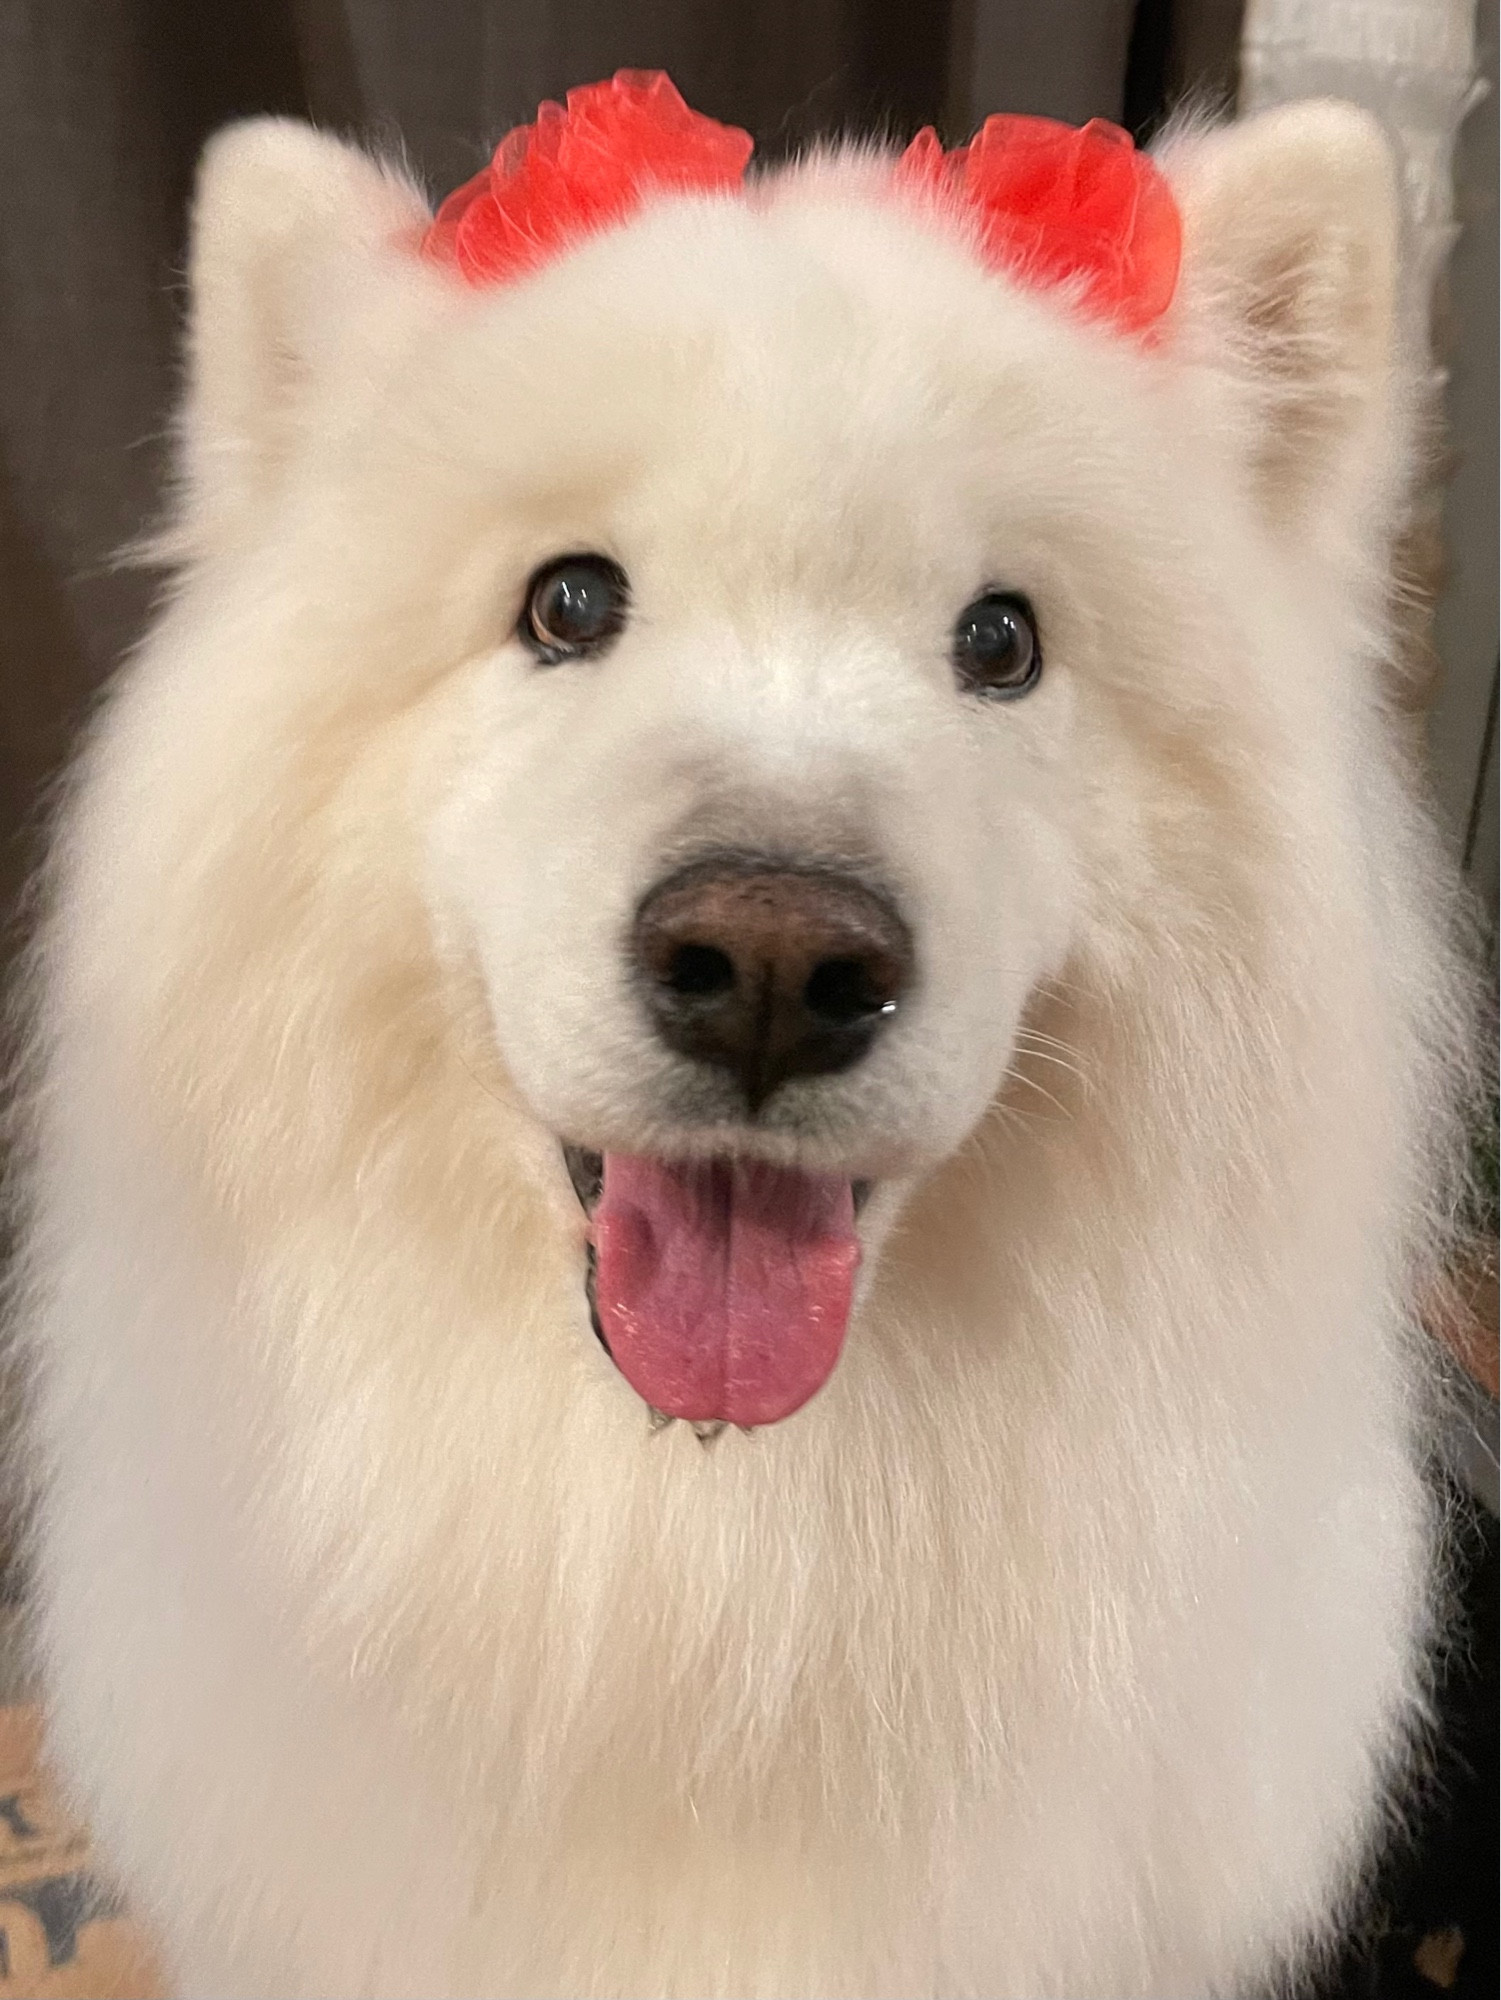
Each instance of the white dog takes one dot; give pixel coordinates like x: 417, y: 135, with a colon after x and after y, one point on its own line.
x: 782, y: 789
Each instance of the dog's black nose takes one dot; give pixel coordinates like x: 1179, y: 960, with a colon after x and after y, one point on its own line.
x: 770, y: 972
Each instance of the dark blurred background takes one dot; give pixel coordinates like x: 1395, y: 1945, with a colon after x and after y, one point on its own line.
x: 104, y: 106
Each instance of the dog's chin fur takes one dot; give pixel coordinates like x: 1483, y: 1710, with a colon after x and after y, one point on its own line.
x: 1072, y: 1639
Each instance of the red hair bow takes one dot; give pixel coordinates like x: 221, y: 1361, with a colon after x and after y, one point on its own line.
x: 1056, y: 204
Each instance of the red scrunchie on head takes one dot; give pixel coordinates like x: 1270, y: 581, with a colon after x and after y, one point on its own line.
x: 1056, y: 204
x: 580, y: 169
x: 1063, y: 204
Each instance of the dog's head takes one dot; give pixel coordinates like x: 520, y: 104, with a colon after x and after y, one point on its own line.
x: 815, y: 646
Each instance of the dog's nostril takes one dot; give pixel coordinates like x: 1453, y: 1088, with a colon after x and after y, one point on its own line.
x: 700, y: 972
x: 844, y: 991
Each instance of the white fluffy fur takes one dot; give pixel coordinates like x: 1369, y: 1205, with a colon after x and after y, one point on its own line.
x: 1070, y: 1641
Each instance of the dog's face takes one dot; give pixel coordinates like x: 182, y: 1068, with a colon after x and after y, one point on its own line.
x: 788, y: 642
x: 825, y: 619
x: 766, y: 821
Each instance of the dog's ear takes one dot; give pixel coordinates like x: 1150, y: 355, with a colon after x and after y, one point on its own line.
x: 294, y: 235
x: 1291, y: 224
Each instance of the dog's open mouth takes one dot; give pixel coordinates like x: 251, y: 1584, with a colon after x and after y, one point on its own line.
x: 721, y: 1288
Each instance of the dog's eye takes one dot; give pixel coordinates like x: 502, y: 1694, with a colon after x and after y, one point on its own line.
x: 574, y: 606
x: 996, y: 650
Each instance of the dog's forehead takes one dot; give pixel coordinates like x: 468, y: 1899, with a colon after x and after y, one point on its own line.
x: 817, y: 334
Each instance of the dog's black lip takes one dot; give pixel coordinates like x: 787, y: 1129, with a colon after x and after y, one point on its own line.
x: 586, y: 1170
x: 591, y: 1294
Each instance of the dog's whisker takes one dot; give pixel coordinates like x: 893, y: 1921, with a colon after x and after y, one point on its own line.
x: 1045, y: 1055
x: 1019, y: 1076
x: 1036, y: 1037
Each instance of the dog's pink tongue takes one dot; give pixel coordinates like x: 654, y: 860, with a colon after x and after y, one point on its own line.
x: 723, y: 1286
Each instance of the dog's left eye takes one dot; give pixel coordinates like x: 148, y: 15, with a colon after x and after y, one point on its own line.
x: 574, y: 607
x: 996, y: 648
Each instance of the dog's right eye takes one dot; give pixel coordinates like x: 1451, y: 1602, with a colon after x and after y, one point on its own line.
x: 574, y: 607
x: 996, y: 649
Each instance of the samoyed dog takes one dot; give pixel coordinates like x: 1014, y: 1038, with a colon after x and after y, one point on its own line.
x: 766, y: 811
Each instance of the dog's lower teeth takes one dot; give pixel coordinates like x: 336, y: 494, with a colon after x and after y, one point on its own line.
x: 707, y: 1430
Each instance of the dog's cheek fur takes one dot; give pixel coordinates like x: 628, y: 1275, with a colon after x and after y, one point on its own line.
x: 344, y: 1502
